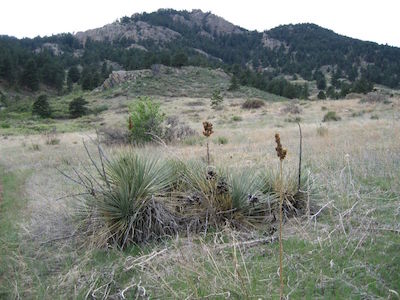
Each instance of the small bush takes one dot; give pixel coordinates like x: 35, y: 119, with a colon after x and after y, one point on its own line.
x: 78, y: 108
x: 114, y: 136
x: 358, y: 113
x: 324, y: 108
x: 253, y: 103
x: 145, y: 120
x: 331, y: 116
x: 99, y: 109
x: 374, y: 98
x: 291, y: 108
x: 176, y: 130
x: 237, y: 118
x: 5, y: 125
x: 41, y: 107
x: 374, y: 117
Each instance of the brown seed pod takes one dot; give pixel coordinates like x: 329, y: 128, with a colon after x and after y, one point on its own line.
x: 280, y: 151
x: 208, y: 128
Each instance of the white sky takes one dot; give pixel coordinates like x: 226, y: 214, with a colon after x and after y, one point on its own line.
x: 377, y: 21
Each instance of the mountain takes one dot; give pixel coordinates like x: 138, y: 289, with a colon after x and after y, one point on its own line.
x: 177, y: 38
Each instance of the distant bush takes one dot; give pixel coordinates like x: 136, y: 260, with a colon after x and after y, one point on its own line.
x: 253, y: 103
x: 41, y: 107
x: 374, y: 117
x: 78, y: 108
x: 373, y: 98
x: 237, y: 118
x: 114, y: 136
x: 331, y: 116
x: 177, y: 130
x: 292, y: 108
x: 5, y: 125
x: 145, y: 120
x: 99, y: 109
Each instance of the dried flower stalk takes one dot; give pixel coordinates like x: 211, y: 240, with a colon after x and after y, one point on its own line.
x: 207, y: 132
x: 281, y: 152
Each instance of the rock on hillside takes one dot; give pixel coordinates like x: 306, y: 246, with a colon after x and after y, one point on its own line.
x: 138, y: 29
x: 132, y: 31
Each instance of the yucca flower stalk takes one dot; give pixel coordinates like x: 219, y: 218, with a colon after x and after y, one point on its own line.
x: 208, y: 130
x: 281, y: 152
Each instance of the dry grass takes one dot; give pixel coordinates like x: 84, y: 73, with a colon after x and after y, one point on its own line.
x: 347, y: 246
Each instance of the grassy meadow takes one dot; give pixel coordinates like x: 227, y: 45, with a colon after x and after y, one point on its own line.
x: 344, y: 245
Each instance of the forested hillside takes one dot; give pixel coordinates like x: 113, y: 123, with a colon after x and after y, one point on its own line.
x: 265, y: 60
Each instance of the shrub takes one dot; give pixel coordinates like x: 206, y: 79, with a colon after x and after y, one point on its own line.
x: 99, y: 109
x: 78, y: 108
x: 237, y: 118
x: 253, y: 103
x: 176, y: 130
x: 331, y: 116
x: 41, y: 107
x: 114, y: 136
x: 145, y: 120
x: 291, y: 108
x: 374, y: 117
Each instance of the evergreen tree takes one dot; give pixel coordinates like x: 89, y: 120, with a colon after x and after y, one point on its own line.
x: 74, y: 74
x: 41, y: 107
x: 321, y: 95
x: 30, y: 75
x: 234, y: 84
x: 216, y: 99
x: 179, y: 60
x: 78, y: 108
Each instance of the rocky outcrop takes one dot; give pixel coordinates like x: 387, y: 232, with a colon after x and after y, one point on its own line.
x: 118, y: 77
x: 135, y: 32
x: 271, y: 43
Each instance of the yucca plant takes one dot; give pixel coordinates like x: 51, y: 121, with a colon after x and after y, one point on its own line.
x: 226, y: 195
x: 126, y: 204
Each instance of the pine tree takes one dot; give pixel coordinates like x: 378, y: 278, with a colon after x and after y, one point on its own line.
x: 41, y: 107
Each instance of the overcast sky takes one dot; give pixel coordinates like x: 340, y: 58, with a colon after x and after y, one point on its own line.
x: 376, y: 21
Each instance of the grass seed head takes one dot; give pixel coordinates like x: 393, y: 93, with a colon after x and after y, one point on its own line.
x: 280, y: 151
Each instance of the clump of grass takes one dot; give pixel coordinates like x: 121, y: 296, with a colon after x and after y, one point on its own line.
x: 322, y: 130
x: 324, y: 108
x: 35, y: 147
x: 293, y: 119
x: 331, y: 116
x: 221, y: 140
x: 237, y: 118
x: 253, y: 103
